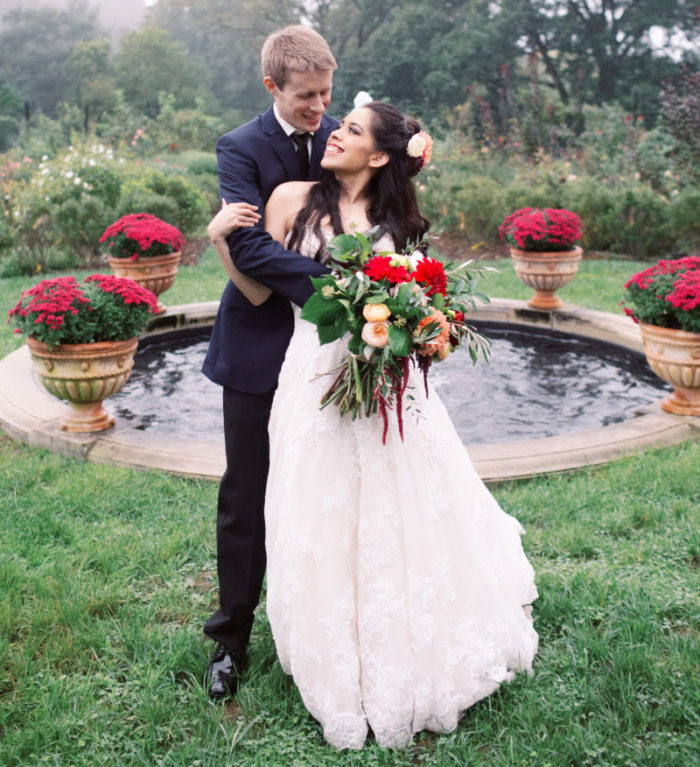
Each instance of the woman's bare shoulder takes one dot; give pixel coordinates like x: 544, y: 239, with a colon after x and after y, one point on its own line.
x: 292, y: 191
x: 285, y: 202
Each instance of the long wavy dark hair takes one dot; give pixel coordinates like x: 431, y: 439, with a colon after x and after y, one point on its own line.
x: 392, y: 198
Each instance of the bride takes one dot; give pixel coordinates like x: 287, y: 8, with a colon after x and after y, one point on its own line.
x: 398, y: 591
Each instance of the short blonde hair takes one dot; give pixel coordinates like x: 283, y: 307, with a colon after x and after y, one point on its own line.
x: 295, y: 48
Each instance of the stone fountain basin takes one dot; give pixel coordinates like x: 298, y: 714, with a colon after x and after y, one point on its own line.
x: 29, y: 414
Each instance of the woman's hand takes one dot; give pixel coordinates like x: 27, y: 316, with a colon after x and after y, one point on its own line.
x: 232, y: 216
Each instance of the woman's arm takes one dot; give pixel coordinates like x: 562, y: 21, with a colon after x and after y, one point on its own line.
x: 231, y: 217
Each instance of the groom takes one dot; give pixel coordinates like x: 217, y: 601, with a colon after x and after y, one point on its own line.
x: 248, y: 342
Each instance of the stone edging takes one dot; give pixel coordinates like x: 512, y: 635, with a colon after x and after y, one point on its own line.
x: 22, y: 399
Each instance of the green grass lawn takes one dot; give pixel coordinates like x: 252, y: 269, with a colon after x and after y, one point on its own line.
x: 106, y: 576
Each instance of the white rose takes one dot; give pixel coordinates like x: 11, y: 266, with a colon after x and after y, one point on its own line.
x: 416, y: 146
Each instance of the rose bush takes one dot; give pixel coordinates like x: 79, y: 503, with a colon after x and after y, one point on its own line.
x: 666, y: 295
x: 103, y: 308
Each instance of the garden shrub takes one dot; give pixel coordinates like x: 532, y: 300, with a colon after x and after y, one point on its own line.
x: 190, y: 129
x: 685, y: 218
x: 6, y: 235
x: 632, y: 220
x: 520, y: 195
x: 137, y: 197
x: 170, y: 196
x: 652, y: 158
x: 56, y: 208
x: 596, y: 205
x: 644, y: 224
x: 9, y: 132
x: 24, y: 260
x: 199, y: 163
x: 479, y: 199
x: 78, y: 223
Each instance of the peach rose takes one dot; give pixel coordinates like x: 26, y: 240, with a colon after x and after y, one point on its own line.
x: 439, y: 345
x: 375, y: 312
x: 376, y: 334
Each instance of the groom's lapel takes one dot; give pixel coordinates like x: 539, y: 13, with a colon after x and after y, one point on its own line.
x: 281, y: 144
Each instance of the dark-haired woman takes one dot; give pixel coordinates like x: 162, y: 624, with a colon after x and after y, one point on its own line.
x: 397, y: 589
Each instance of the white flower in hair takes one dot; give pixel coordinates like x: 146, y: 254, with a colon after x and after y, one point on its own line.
x: 362, y: 99
x: 420, y: 146
x: 416, y: 146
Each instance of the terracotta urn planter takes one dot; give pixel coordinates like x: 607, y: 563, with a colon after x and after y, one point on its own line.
x: 84, y: 374
x: 546, y: 272
x: 155, y: 273
x: 674, y: 355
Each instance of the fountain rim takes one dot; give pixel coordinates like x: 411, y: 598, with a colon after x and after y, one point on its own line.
x: 29, y: 414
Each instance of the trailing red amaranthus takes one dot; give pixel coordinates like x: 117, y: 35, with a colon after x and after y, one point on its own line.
x: 103, y: 308
x: 541, y: 229
x: 140, y: 235
x: 666, y: 295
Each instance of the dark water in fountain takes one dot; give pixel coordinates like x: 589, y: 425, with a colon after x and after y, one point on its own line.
x: 539, y: 384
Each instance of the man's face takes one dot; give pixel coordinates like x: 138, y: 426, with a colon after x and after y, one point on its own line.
x: 304, y: 98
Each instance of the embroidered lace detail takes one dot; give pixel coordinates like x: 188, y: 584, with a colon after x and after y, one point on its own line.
x: 396, y: 584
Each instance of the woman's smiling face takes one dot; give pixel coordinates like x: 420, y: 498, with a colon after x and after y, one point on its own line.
x: 351, y: 146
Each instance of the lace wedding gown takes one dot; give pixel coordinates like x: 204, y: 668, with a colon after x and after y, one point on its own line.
x: 396, y: 585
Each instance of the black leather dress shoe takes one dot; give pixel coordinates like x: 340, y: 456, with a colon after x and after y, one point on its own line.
x: 225, y: 669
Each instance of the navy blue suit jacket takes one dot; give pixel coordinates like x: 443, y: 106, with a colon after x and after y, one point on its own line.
x: 248, y: 342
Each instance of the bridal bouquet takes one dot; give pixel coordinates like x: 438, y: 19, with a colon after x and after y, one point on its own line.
x: 399, y: 310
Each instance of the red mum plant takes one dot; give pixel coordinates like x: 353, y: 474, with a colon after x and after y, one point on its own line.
x: 103, y: 308
x: 666, y: 295
x: 140, y: 235
x: 541, y: 229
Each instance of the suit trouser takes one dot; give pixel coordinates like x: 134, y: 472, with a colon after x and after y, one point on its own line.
x: 240, y: 521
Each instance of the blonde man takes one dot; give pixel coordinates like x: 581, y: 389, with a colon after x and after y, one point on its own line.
x: 248, y: 341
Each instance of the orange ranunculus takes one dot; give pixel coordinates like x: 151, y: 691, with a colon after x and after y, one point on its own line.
x: 376, y: 312
x: 439, y: 345
x: 376, y: 334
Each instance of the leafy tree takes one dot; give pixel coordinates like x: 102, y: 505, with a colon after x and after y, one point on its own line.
x: 10, y: 114
x: 10, y: 100
x: 91, y: 73
x: 422, y: 55
x: 226, y: 36
x: 35, y: 46
x: 602, y: 50
x: 681, y: 113
x: 149, y: 63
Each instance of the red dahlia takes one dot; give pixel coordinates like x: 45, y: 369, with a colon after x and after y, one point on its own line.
x: 431, y: 273
x: 380, y: 268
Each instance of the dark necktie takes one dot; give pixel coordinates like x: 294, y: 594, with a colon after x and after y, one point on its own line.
x: 301, y: 141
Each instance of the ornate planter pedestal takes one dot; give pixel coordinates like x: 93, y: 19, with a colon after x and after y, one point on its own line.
x: 674, y: 355
x: 84, y: 374
x: 546, y: 273
x: 156, y: 273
